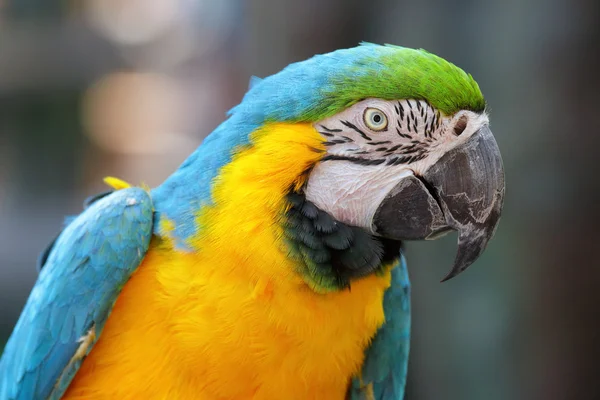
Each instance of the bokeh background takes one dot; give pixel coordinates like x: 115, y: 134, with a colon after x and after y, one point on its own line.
x: 129, y: 88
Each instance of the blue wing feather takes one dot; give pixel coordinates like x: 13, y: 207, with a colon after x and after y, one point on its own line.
x: 383, y: 374
x: 83, y: 275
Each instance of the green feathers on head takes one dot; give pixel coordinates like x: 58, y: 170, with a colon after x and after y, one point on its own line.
x: 326, y: 84
x: 394, y: 72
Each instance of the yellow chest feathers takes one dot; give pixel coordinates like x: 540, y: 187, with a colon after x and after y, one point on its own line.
x: 233, y: 320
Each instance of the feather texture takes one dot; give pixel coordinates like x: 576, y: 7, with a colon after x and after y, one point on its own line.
x: 383, y: 374
x: 75, y: 292
x: 331, y: 254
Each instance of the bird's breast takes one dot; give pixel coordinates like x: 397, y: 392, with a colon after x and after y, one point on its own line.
x: 187, y: 327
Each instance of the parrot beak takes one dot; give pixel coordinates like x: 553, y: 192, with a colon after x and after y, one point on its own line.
x: 462, y: 191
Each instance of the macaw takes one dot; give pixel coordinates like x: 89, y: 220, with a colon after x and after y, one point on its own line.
x: 270, y: 264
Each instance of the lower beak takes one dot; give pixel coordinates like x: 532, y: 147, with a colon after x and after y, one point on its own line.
x: 462, y: 191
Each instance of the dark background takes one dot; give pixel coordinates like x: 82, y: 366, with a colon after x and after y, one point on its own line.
x: 129, y: 88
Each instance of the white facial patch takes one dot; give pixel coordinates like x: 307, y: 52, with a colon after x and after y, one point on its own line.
x: 374, y: 144
x: 350, y: 192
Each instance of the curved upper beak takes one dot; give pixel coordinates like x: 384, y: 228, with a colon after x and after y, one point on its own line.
x: 462, y: 191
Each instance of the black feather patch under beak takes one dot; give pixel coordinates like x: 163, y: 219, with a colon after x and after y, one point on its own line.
x: 462, y: 191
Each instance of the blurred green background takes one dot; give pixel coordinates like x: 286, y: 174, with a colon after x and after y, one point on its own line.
x: 90, y: 88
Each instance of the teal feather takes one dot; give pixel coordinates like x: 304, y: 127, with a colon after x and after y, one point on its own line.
x: 254, y: 80
x: 386, y: 359
x: 80, y: 280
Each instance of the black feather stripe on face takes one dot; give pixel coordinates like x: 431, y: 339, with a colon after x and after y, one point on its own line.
x: 415, y: 131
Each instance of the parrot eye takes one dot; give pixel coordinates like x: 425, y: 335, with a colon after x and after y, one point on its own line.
x: 375, y: 119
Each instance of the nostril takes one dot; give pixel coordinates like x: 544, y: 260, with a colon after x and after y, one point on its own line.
x: 461, y: 125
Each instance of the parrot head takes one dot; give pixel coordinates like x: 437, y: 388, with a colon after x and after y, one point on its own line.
x: 404, y: 170
x: 409, y: 153
x: 405, y: 153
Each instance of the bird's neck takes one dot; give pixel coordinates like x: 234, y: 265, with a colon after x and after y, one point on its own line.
x: 235, y: 181
x: 179, y: 198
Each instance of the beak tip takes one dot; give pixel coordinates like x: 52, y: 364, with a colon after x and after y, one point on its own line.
x: 453, y: 273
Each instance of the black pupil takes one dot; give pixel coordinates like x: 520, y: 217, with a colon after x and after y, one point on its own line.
x: 377, y: 118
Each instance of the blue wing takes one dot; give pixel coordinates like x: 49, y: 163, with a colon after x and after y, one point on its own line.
x: 383, y: 374
x: 82, y: 276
